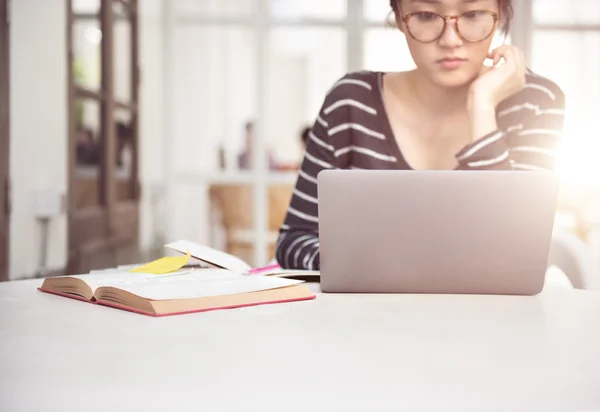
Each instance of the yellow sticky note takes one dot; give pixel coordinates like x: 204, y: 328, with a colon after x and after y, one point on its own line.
x: 163, y: 265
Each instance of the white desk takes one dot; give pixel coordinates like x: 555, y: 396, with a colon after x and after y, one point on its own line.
x: 335, y: 353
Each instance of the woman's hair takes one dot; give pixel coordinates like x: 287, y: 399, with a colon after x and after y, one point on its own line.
x: 304, y: 135
x: 506, y: 12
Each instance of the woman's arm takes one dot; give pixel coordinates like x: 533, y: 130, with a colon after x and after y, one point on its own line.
x: 298, y: 243
x: 531, y: 117
x: 531, y: 126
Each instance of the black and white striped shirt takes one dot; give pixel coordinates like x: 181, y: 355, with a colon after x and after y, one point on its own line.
x: 352, y: 131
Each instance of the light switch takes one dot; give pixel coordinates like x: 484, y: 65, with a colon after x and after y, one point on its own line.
x: 48, y: 203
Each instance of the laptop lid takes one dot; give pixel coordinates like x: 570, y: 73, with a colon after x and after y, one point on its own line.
x: 391, y: 231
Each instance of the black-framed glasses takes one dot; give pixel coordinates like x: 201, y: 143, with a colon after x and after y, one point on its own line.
x: 472, y: 26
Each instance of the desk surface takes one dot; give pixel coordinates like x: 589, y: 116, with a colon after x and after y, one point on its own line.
x: 338, y: 352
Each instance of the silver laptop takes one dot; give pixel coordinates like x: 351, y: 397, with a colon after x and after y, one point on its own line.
x: 391, y: 231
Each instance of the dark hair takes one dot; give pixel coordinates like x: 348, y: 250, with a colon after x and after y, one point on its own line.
x: 304, y: 135
x: 506, y: 12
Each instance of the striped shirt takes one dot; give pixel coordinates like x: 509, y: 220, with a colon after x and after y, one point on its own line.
x: 352, y: 132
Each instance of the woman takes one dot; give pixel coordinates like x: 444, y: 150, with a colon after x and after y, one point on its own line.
x: 451, y: 112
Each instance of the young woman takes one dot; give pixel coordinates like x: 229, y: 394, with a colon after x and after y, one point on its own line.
x: 453, y: 111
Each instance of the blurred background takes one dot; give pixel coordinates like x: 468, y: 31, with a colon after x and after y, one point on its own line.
x: 126, y: 124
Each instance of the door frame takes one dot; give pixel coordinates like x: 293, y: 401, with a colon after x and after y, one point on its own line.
x: 5, y: 200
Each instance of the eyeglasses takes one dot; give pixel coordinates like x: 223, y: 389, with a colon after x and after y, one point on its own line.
x: 473, y: 26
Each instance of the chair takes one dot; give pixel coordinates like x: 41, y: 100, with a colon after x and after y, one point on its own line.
x: 575, y: 259
x: 235, y: 204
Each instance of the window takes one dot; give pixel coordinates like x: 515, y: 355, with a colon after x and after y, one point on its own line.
x: 386, y: 50
x: 571, y: 30
x: 103, y: 125
x: 295, y: 10
x: 269, y: 63
x: 566, y: 12
x: 214, y: 89
x: 214, y: 8
x: 303, y: 64
x: 377, y: 12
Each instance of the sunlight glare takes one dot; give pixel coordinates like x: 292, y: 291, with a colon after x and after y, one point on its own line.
x: 577, y: 161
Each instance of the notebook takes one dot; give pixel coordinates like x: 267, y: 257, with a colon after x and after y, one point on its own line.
x: 182, y: 291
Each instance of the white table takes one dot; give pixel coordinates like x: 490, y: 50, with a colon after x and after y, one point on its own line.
x: 335, y: 353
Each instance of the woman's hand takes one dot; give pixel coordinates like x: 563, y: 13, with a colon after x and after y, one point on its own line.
x: 498, y: 83
x: 492, y: 86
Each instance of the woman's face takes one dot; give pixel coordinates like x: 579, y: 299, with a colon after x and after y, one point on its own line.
x: 442, y: 54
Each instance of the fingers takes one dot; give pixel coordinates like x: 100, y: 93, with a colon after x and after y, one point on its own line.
x: 498, y: 53
x: 511, y: 58
x: 502, y: 49
x: 512, y: 55
x: 516, y: 59
x: 495, y: 57
x: 514, y: 65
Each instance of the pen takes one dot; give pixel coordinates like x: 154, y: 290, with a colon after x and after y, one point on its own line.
x: 263, y: 269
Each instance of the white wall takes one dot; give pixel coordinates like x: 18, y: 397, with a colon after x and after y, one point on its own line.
x: 38, y: 134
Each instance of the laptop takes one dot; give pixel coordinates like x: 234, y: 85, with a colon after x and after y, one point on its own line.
x: 452, y: 232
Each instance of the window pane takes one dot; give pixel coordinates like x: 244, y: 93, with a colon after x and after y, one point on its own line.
x: 88, y: 153
x: 577, y: 75
x: 303, y: 65
x: 377, y: 11
x: 122, y: 63
x: 566, y: 11
x: 386, y: 50
x: 214, y: 7
x: 312, y: 9
x: 85, y: 6
x: 87, y: 54
x: 214, y: 91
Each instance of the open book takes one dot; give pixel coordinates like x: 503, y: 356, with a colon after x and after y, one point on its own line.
x: 230, y: 262
x: 183, y: 291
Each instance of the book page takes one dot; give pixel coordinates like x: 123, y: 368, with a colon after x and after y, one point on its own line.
x: 210, y: 255
x: 116, y: 276
x: 129, y: 267
x: 199, y: 283
x: 138, y: 279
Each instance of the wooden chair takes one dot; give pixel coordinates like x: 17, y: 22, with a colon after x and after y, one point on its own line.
x: 235, y: 204
x: 279, y: 201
